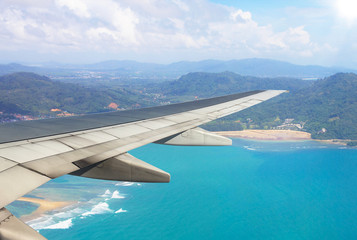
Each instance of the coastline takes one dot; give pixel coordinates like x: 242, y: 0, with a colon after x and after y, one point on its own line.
x: 277, y: 135
x: 274, y: 135
x: 44, y: 206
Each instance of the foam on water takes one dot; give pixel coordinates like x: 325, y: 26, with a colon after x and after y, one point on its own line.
x: 69, y: 212
x: 50, y: 221
x: 106, y: 194
x: 41, y: 223
x: 100, y: 208
x: 120, y: 211
x: 61, y: 225
x: 117, y: 195
x: 125, y: 184
x: 250, y: 148
x: 279, y: 146
x: 63, y: 219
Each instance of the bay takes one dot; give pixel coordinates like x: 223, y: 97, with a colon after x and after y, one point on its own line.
x: 250, y: 190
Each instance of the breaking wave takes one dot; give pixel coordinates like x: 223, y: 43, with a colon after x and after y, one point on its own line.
x: 125, y: 184
x: 61, y: 225
x: 100, y: 208
x: 63, y: 218
x: 120, y: 211
x: 250, y: 148
x: 41, y: 223
x: 106, y: 194
x: 117, y: 195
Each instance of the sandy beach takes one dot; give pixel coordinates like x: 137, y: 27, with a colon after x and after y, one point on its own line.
x: 267, y: 134
x: 44, y: 206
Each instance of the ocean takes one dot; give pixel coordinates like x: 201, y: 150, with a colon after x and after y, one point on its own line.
x: 250, y: 190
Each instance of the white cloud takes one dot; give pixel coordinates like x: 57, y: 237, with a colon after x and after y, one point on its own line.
x: 78, y: 7
x: 181, y: 5
x: 241, y: 16
x: 147, y: 26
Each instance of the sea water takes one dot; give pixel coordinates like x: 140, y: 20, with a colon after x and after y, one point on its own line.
x: 250, y: 190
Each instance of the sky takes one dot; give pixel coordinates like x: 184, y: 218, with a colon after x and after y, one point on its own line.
x: 319, y: 32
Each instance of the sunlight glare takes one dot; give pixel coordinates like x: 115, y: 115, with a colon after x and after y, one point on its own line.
x: 347, y: 9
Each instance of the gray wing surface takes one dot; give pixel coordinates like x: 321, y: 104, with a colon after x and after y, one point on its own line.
x: 34, y: 152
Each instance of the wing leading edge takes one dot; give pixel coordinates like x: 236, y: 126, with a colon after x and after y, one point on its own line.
x: 96, y: 146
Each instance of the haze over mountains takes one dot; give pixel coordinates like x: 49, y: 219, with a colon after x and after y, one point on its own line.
x: 252, y: 67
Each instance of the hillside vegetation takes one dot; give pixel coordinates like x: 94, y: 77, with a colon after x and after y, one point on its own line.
x: 34, y: 94
x: 214, y: 84
x: 327, y: 109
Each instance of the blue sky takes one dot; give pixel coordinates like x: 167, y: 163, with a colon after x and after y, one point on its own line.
x: 321, y: 32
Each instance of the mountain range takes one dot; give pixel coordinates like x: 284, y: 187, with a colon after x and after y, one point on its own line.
x: 252, y: 67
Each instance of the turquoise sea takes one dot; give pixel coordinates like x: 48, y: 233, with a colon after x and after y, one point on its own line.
x: 251, y: 190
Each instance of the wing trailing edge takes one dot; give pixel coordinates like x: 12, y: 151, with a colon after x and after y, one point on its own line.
x: 12, y: 228
x: 124, y: 167
x: 196, y: 137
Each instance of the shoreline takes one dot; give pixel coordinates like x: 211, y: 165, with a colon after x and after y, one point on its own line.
x: 44, y: 206
x: 276, y: 135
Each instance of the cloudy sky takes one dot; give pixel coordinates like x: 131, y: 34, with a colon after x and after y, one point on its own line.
x: 322, y: 32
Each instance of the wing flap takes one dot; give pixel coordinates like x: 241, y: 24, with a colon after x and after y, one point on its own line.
x: 17, y: 181
x: 6, y: 164
x: 12, y: 228
x: 124, y: 167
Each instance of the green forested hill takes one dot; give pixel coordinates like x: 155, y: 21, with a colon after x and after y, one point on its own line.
x: 214, y: 84
x: 328, y: 108
x: 35, y: 94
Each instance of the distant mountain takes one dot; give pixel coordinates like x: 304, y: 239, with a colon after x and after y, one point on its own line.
x: 215, y: 84
x: 328, y: 108
x: 14, y: 67
x: 125, y: 65
x: 260, y: 68
x: 252, y: 67
x: 31, y: 93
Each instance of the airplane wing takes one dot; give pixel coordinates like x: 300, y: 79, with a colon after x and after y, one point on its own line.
x: 34, y: 152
